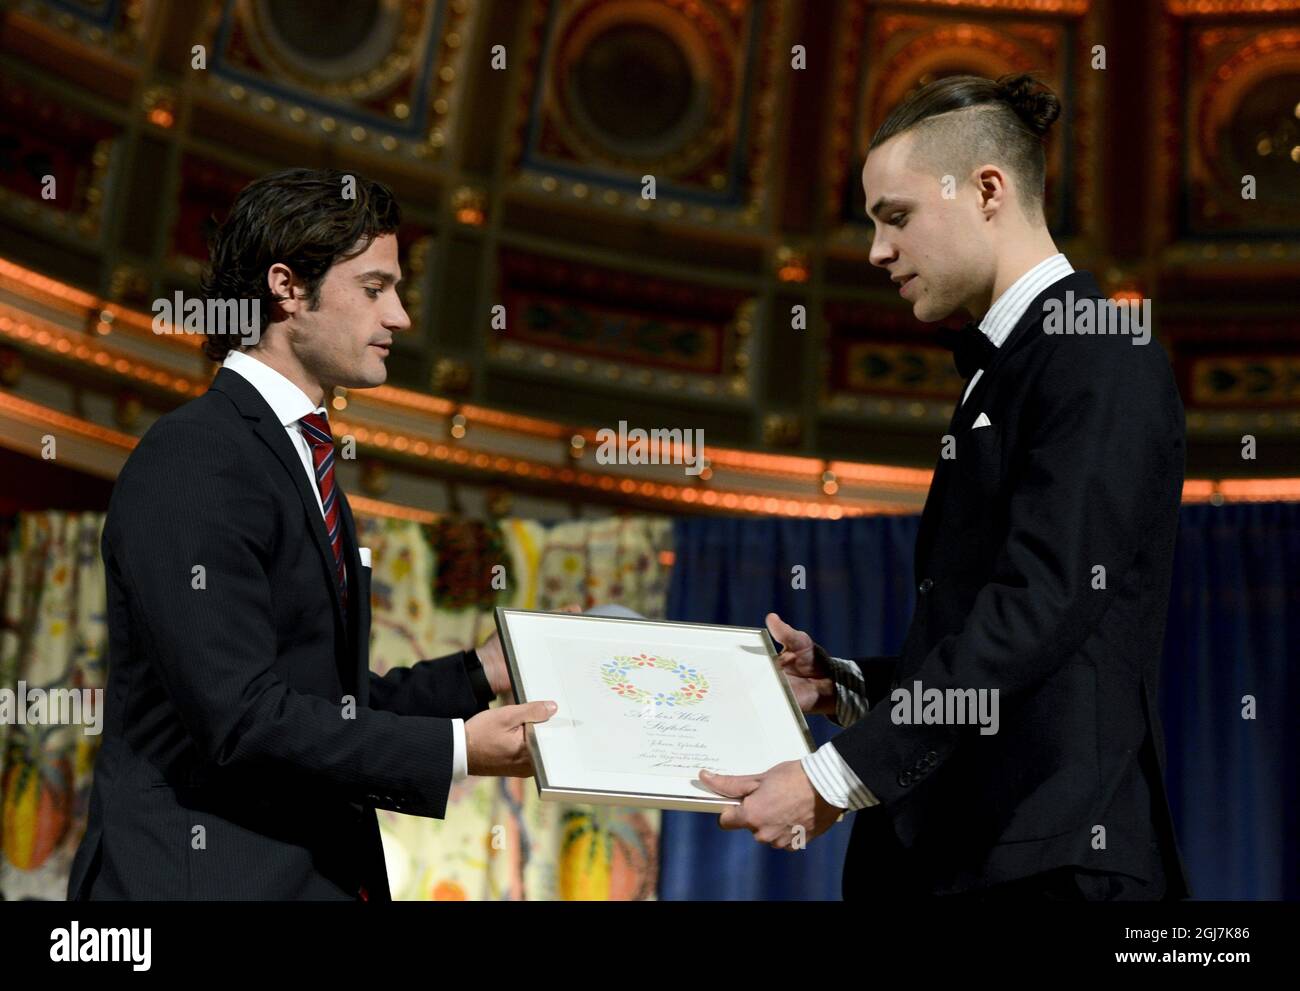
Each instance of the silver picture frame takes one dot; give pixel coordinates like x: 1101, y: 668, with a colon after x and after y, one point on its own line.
x: 550, y: 789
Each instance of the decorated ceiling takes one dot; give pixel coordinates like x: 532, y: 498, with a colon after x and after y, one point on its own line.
x: 546, y: 287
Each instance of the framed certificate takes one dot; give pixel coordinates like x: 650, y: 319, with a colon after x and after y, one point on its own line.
x: 644, y: 705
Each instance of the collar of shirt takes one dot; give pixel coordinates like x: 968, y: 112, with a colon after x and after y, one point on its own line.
x: 286, y: 400
x: 1007, y: 309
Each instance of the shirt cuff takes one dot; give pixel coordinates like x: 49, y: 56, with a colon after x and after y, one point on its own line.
x: 835, y: 780
x: 459, y: 756
x: 850, y: 691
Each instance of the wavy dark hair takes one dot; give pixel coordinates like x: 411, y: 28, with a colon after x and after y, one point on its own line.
x: 299, y: 217
x: 1010, y: 125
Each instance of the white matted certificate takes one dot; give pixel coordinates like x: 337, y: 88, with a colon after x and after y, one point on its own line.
x: 644, y: 705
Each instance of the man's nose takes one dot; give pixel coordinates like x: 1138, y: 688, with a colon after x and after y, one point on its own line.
x: 882, y: 252
x: 399, y: 319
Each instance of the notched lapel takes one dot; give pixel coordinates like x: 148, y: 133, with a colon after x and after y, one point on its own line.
x: 1082, y: 284
x: 253, y: 407
x: 358, y: 596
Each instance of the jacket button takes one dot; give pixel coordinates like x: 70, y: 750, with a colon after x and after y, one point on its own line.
x: 905, y: 778
x: 925, y: 586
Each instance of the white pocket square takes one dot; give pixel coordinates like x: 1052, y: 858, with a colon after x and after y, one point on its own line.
x: 364, y: 554
x: 981, y: 421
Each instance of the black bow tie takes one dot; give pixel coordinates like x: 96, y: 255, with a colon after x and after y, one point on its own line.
x: 971, y: 349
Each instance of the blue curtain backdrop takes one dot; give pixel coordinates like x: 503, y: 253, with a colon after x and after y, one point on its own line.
x: 1233, y: 631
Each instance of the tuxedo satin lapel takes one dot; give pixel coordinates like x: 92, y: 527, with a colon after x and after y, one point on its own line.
x: 938, y: 481
x: 1084, y: 286
x: 253, y: 407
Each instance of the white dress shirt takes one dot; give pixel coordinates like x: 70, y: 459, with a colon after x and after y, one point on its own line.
x: 829, y: 773
x: 290, y: 404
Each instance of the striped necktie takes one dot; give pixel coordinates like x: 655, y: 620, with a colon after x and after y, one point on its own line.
x: 317, y: 431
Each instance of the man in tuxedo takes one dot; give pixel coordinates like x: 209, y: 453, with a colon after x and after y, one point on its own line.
x: 247, y: 744
x: 1042, y: 561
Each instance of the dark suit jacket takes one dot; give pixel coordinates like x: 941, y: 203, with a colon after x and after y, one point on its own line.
x: 1082, y: 466
x: 230, y: 767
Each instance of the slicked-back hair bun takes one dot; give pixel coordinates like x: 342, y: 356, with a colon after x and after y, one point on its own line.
x: 1033, y: 102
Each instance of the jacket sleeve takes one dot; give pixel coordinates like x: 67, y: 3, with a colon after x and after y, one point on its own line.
x: 454, y: 686
x: 1102, y: 442
x: 191, y: 533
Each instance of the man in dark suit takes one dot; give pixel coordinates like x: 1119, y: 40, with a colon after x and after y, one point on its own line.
x: 247, y: 744
x: 1012, y: 750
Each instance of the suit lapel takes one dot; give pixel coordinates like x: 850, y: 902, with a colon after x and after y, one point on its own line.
x: 938, y: 482
x: 358, y: 598
x: 253, y: 407
x: 1084, y: 286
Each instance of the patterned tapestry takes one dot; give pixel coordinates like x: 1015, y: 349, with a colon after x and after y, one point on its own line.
x: 433, y: 591
x: 53, y: 634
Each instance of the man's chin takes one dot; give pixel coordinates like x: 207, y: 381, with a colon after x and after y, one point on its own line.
x: 360, y: 381
x: 927, y: 312
x: 372, y: 372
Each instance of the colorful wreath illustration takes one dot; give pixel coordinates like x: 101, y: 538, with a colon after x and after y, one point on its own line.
x: 616, y: 674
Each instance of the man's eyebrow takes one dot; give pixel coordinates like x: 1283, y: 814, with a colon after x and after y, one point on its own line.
x: 885, y: 203
x: 385, y: 277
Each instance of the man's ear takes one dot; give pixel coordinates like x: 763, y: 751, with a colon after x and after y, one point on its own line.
x: 992, y: 184
x: 284, y: 287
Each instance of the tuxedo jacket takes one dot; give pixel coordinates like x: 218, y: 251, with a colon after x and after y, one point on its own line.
x: 1043, y: 564
x: 246, y: 742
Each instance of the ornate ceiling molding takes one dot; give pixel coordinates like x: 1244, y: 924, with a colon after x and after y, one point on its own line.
x: 396, y: 90
x: 414, y: 433
x: 709, y: 150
